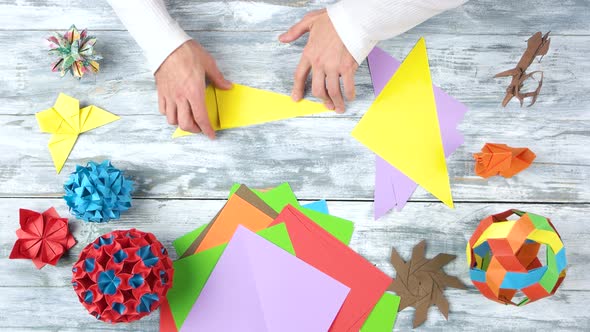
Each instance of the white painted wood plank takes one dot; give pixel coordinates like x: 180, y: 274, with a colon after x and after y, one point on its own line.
x: 463, y: 66
x: 445, y: 231
x: 57, y: 309
x: 317, y: 155
x: 475, y: 17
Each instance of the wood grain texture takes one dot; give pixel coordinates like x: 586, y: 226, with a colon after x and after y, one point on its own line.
x: 556, y: 128
x: 182, y: 183
x: 476, y: 17
x: 445, y: 231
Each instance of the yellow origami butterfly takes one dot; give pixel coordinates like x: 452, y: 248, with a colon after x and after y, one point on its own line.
x: 65, y: 120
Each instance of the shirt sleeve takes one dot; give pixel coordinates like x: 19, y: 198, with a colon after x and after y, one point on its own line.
x: 151, y: 26
x: 362, y: 23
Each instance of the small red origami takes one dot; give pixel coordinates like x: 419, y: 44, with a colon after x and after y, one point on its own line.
x: 42, y: 237
x: 500, y: 159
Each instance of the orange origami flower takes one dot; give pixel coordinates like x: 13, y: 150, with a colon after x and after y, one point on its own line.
x: 500, y: 159
x: 42, y: 237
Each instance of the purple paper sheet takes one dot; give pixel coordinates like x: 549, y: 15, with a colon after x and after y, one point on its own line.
x: 257, y: 286
x: 392, y: 187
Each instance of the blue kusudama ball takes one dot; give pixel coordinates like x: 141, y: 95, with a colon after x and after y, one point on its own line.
x: 98, y: 192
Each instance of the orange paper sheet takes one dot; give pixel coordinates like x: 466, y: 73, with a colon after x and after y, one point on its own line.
x: 244, y: 208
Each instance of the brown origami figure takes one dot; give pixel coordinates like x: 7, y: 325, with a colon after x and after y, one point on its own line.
x: 421, y: 282
x: 500, y: 159
x: 537, y: 45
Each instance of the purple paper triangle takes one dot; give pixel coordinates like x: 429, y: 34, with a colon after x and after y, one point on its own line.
x: 393, y: 188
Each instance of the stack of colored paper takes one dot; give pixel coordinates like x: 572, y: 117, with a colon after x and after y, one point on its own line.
x: 267, y: 263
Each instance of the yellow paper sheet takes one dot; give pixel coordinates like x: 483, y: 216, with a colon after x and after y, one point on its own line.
x: 401, y: 126
x: 65, y: 120
x: 245, y: 106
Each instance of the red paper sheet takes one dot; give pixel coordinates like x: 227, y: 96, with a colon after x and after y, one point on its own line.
x: 318, y: 248
x: 166, y: 320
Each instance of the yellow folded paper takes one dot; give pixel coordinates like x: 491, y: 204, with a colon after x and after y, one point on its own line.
x: 65, y: 120
x: 243, y: 106
x: 401, y: 126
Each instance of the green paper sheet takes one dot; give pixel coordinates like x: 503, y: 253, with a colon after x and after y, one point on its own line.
x: 191, y: 273
x: 383, y: 316
x: 184, y: 242
x: 277, y: 198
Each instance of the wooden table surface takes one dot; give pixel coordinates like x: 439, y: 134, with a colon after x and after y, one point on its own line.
x: 182, y: 183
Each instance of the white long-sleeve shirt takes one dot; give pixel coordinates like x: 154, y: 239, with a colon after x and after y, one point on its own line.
x: 361, y: 24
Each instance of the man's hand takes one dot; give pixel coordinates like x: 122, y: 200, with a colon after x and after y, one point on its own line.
x: 326, y: 57
x: 181, y: 87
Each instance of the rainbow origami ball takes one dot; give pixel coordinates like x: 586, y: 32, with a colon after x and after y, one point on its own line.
x: 503, y: 258
x: 122, y: 276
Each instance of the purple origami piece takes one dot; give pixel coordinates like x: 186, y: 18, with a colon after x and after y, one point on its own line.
x: 392, y: 187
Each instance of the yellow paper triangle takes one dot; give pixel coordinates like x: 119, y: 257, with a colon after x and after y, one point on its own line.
x: 96, y: 117
x: 243, y: 106
x: 402, y: 127
x: 60, y: 146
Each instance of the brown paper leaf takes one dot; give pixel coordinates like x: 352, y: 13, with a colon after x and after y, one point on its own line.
x: 420, y: 282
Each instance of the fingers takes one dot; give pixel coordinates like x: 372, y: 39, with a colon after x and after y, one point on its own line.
x: 333, y: 87
x: 216, y: 76
x: 296, y: 31
x: 349, y: 89
x: 171, y: 116
x: 199, y: 111
x: 318, y: 88
x: 185, y: 118
x: 301, y: 74
x: 161, y: 104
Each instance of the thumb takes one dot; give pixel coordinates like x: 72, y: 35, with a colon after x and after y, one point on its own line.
x: 296, y: 31
x: 216, y: 77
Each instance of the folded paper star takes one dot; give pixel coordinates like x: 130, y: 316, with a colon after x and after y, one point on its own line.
x: 500, y: 159
x: 65, y: 120
x: 243, y: 106
x: 420, y: 282
x: 402, y: 126
x: 392, y: 188
x: 42, y: 237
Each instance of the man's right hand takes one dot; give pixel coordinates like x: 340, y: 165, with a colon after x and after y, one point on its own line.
x: 180, y: 81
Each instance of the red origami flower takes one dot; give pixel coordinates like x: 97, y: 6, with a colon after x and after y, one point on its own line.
x: 42, y: 237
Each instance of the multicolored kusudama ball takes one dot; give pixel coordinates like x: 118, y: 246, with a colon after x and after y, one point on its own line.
x: 122, y: 276
x: 502, y: 255
x: 98, y: 192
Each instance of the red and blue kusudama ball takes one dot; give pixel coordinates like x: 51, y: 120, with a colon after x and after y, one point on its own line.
x: 122, y: 276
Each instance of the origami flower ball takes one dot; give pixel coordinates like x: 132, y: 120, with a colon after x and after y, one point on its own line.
x: 122, y: 276
x: 502, y: 255
x: 42, y: 237
x: 98, y: 192
x: 75, y: 52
